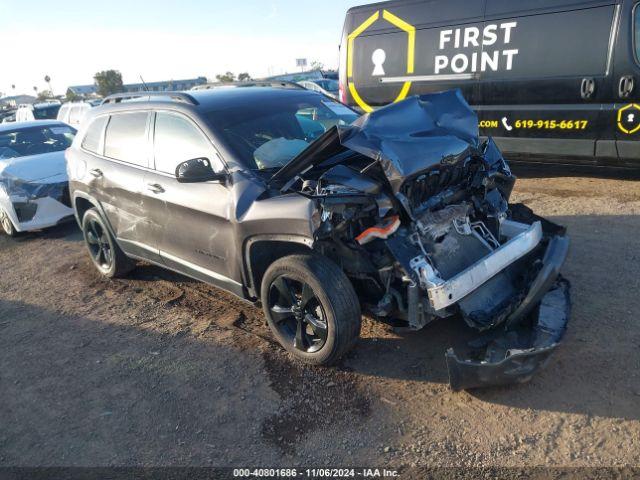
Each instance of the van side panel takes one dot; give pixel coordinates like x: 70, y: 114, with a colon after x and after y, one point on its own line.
x: 623, y: 113
x: 538, y: 107
x: 543, y: 75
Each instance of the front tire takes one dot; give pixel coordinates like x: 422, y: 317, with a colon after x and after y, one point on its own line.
x: 311, y: 308
x: 7, y: 225
x: 105, y: 253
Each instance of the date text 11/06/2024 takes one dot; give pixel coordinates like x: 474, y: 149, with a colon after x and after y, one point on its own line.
x: 315, y: 473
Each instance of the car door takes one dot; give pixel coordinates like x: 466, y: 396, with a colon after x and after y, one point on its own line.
x: 117, y: 183
x: 546, y: 101
x: 197, y: 234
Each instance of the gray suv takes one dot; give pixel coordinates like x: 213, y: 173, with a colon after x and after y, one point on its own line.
x: 287, y: 198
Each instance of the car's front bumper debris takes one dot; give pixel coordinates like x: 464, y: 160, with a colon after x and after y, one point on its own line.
x: 518, y: 352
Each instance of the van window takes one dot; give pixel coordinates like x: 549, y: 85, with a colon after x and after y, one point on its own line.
x: 63, y: 111
x: 177, y: 140
x: 91, y: 140
x: 126, y: 138
x: 75, y: 115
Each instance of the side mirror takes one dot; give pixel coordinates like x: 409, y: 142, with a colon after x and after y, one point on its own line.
x: 197, y: 170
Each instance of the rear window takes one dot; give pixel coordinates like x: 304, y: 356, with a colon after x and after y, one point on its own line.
x: 49, y: 112
x: 126, y: 138
x: 35, y: 141
x: 91, y: 141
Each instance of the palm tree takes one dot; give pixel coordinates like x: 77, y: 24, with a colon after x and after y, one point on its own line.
x: 47, y: 79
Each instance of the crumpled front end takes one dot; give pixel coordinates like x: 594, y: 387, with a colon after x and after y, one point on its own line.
x: 416, y: 211
x: 34, y: 205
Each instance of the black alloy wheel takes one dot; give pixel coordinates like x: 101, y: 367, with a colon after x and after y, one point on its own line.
x: 311, y: 307
x: 297, y: 314
x: 99, y: 245
x: 105, y: 253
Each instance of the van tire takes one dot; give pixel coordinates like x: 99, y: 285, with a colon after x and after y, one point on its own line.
x: 106, y: 255
x: 317, y: 293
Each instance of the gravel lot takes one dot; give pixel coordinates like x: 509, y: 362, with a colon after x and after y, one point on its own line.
x: 157, y: 369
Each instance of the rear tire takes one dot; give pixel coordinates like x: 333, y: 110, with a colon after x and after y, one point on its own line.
x: 311, y: 308
x: 105, y: 253
x: 7, y: 225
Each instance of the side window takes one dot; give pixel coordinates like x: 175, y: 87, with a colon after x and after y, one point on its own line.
x: 126, y: 138
x: 176, y: 140
x: 92, y: 138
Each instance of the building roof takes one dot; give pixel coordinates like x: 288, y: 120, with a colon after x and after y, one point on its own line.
x: 92, y: 89
x: 83, y: 89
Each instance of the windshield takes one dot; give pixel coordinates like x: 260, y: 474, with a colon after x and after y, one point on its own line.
x: 328, y: 85
x: 269, y: 135
x: 35, y: 140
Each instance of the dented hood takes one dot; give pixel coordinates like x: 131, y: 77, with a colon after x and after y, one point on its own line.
x: 406, y: 137
x: 43, y: 168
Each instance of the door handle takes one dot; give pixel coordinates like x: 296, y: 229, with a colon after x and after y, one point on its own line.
x: 626, y: 86
x: 155, y: 188
x: 587, y: 88
x: 96, y: 172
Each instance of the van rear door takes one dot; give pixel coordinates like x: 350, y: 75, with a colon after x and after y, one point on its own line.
x: 623, y: 116
x: 547, y: 103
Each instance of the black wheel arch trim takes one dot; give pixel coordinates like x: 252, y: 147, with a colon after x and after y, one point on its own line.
x: 249, y: 270
x: 96, y: 205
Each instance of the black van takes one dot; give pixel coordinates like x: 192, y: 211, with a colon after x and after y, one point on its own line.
x: 551, y: 80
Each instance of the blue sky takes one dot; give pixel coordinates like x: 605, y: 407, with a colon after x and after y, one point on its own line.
x: 160, y: 40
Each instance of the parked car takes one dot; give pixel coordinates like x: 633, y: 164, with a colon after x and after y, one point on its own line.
x: 37, y: 111
x: 523, y: 66
x: 34, y: 191
x: 325, y: 86
x: 287, y: 198
x: 73, y: 113
x: 8, y: 115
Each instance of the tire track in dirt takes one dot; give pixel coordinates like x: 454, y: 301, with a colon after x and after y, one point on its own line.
x: 312, y: 398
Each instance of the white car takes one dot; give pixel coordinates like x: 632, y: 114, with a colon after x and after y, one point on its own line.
x: 73, y: 113
x: 38, y: 111
x: 34, y: 188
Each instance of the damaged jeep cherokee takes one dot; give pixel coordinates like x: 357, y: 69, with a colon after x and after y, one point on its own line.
x: 287, y: 198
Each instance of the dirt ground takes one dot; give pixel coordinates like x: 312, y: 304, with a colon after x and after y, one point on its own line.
x: 160, y: 370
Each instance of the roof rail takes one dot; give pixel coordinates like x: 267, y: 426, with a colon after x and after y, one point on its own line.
x: 248, y: 83
x: 141, y: 96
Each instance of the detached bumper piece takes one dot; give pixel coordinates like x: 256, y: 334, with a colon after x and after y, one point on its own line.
x: 533, y: 332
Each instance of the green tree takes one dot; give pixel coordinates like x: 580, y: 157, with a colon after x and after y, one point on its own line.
x: 226, y: 78
x: 72, y: 97
x: 108, y: 82
x: 316, y: 65
x: 244, y: 77
x: 44, y: 95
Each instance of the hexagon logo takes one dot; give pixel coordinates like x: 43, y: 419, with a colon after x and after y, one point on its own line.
x: 411, y: 53
x: 629, y: 118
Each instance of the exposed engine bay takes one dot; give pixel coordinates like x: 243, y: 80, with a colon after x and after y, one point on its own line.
x: 415, y: 209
